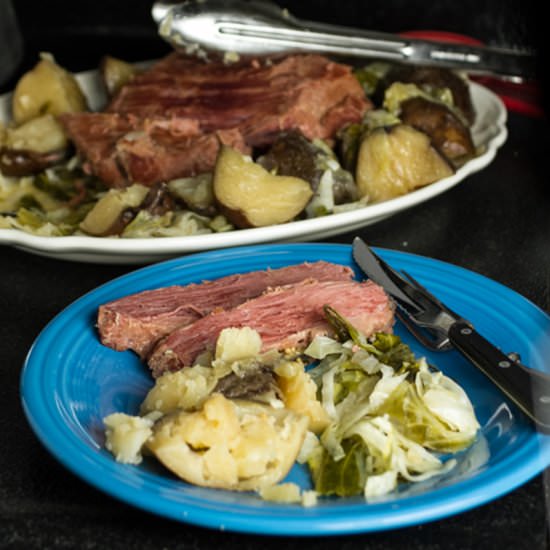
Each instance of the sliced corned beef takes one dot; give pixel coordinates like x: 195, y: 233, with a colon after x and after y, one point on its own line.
x: 137, y: 321
x: 286, y: 318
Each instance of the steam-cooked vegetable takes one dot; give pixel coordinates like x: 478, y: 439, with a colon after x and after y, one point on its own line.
x: 125, y: 436
x: 370, y: 76
x: 315, y: 162
x: 351, y: 136
x: 231, y: 444
x: 384, y: 419
x: 52, y: 203
x: 107, y: 217
x: 234, y: 344
x: 302, y: 178
x: 387, y: 348
x: 32, y: 147
x: 447, y: 132
x: 185, y: 389
x: 291, y: 154
x: 239, y: 371
x: 195, y: 192
x: 47, y: 89
x: 439, y: 83
x: 299, y: 394
x: 400, y: 92
x: 115, y: 73
x: 249, y: 196
x: 395, y: 160
x: 239, y: 420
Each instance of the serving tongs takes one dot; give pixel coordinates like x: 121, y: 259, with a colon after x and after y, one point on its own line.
x: 259, y: 27
x: 439, y: 328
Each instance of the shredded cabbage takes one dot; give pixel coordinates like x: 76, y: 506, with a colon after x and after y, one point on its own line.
x: 390, y: 413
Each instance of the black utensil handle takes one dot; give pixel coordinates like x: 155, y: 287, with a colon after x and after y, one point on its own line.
x: 529, y: 389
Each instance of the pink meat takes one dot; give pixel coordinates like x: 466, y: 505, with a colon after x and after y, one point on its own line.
x: 309, y: 93
x: 286, y: 318
x: 169, y: 121
x: 120, y: 149
x: 138, y: 321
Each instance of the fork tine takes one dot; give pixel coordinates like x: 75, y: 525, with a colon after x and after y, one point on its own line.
x: 431, y: 337
x: 426, y: 337
x: 420, y: 288
x: 426, y: 293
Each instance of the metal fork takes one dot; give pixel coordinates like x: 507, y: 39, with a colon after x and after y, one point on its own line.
x: 440, y: 328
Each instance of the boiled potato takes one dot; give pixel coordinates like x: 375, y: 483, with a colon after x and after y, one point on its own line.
x: 115, y: 73
x: 229, y: 444
x: 233, y: 371
x: 32, y: 146
x: 47, y: 89
x: 238, y: 343
x: 249, y: 196
x: 41, y: 135
x: 196, y: 192
x: 125, y: 436
x: 107, y: 215
x: 395, y: 160
x: 300, y: 394
x: 439, y: 82
x: 447, y: 132
x: 283, y: 492
x: 184, y: 389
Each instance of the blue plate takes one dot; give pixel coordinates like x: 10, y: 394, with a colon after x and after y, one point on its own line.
x: 70, y: 382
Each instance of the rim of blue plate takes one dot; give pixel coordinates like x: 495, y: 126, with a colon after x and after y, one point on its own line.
x: 67, y: 442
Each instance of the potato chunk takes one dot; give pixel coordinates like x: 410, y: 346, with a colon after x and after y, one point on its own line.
x: 300, y: 394
x: 229, y: 444
x: 47, y: 89
x: 447, y: 132
x: 395, y: 160
x: 125, y: 436
x: 115, y: 73
x: 107, y: 215
x: 42, y: 135
x: 183, y: 389
x: 250, y: 196
x: 32, y: 146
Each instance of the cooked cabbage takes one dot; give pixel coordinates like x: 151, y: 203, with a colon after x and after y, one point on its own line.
x: 389, y: 412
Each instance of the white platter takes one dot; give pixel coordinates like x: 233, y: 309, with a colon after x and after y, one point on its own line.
x: 489, y: 131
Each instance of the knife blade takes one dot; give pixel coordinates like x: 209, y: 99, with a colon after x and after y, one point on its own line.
x: 528, y: 388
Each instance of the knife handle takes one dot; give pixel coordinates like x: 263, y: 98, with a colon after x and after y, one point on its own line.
x: 528, y: 388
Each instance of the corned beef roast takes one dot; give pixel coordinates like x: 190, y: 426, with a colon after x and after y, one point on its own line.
x: 124, y: 149
x: 169, y: 121
x: 137, y: 321
x: 285, y: 317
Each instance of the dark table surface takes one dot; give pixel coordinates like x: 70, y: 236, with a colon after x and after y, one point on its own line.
x: 496, y: 223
